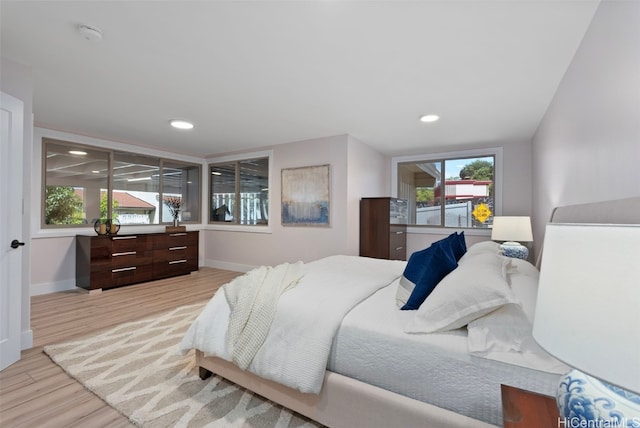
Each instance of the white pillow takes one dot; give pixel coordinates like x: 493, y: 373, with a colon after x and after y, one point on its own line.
x: 484, y: 247
x: 505, y: 335
x: 525, y: 287
x: 523, y: 267
x: 476, y: 287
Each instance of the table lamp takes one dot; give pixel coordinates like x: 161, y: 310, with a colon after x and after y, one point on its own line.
x: 512, y: 229
x: 588, y: 316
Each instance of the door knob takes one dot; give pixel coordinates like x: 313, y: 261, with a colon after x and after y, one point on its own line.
x: 15, y: 244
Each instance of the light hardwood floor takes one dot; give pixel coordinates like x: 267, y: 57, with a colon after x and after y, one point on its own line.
x: 34, y: 392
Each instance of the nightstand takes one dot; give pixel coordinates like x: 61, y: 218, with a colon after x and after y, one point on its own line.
x: 525, y: 409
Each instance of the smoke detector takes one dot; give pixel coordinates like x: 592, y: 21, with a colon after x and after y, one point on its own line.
x: 90, y: 33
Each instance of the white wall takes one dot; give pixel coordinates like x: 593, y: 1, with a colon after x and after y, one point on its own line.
x: 355, y: 171
x: 16, y: 80
x: 587, y: 148
x: 368, y: 176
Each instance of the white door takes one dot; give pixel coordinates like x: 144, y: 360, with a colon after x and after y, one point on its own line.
x: 11, y: 146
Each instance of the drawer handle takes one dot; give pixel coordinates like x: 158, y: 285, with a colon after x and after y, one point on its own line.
x: 184, y: 247
x: 178, y: 234
x: 399, y: 248
x: 128, y: 253
x: 173, y: 262
x: 399, y: 233
x: 118, y: 238
x: 123, y: 269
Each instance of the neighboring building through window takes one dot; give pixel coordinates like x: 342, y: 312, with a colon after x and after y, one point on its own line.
x: 85, y: 183
x: 239, y: 191
x: 448, y: 191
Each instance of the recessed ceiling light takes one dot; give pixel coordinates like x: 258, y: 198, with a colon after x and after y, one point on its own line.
x: 429, y: 118
x: 95, y: 171
x: 216, y: 173
x: 77, y: 152
x: 139, y: 179
x: 181, y: 124
x: 91, y: 33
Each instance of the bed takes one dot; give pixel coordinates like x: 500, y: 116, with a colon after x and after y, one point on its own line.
x: 378, y: 374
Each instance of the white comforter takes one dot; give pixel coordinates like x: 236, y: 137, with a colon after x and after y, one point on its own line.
x: 297, y: 347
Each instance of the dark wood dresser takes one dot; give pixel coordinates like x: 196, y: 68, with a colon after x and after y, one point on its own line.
x: 383, y: 230
x: 114, y: 260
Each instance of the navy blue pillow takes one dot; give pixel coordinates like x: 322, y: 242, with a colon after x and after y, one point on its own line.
x: 460, y: 246
x: 454, y: 243
x: 427, y: 270
x: 413, y: 272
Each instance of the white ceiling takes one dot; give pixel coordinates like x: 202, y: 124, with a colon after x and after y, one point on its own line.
x: 257, y: 73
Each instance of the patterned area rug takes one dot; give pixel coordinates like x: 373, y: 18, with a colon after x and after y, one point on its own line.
x: 134, y: 367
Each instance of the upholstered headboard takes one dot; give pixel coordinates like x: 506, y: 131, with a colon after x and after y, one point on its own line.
x: 619, y: 211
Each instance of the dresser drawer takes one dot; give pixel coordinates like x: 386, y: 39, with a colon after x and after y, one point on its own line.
x: 178, y: 239
x: 174, y: 266
x: 129, y: 275
x: 125, y: 259
x: 123, y: 244
x: 398, y: 253
x: 397, y: 243
x: 174, y: 253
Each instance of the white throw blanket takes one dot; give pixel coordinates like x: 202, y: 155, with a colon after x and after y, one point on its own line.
x: 253, y: 299
x: 297, y: 347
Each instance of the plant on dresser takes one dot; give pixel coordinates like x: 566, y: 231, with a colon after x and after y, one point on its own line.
x: 115, y: 260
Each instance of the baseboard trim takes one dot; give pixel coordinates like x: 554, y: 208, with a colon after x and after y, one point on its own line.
x: 52, y: 287
x: 26, y: 340
x: 236, y: 267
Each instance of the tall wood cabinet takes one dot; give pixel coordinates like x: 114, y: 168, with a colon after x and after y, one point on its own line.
x: 383, y: 228
x: 115, y: 260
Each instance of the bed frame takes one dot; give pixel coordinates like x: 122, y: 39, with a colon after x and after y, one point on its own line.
x: 343, y: 401
x: 346, y: 402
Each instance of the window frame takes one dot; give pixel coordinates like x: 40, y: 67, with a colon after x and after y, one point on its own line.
x: 496, y: 152
x: 63, y: 140
x: 218, y: 225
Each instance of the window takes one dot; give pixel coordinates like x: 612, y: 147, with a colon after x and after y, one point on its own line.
x: 135, y: 193
x: 240, y: 191
x: 449, y: 191
x: 75, y: 183
x: 84, y: 183
x: 182, y: 181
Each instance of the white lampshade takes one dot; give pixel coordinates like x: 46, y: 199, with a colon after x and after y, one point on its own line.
x: 512, y: 228
x: 588, y: 308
